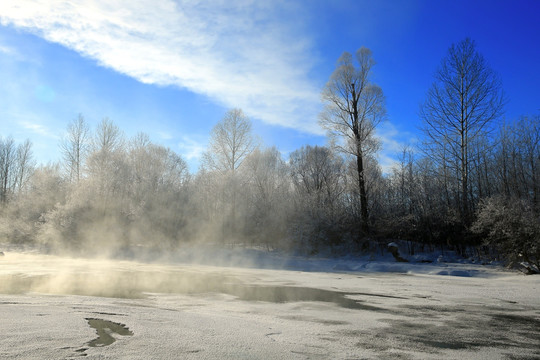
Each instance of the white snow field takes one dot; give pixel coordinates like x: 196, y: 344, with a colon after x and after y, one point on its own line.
x: 61, y: 308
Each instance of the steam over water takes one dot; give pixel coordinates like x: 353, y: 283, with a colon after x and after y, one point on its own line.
x: 23, y: 273
x: 121, y: 279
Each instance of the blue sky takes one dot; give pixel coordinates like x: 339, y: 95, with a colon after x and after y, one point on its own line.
x: 173, y: 68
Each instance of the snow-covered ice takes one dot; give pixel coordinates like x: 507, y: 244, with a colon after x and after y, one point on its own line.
x: 56, y: 308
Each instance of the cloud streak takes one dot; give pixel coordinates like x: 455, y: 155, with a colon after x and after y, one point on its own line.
x: 191, y: 148
x: 38, y: 129
x: 393, y: 142
x: 248, y: 54
x: 7, y: 50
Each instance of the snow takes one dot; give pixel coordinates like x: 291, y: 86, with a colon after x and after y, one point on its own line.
x: 257, y: 305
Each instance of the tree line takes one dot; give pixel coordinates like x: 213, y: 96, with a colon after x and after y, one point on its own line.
x: 470, y: 184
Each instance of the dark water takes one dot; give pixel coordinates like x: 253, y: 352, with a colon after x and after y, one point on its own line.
x: 283, y: 294
x: 138, y: 284
x: 105, y: 329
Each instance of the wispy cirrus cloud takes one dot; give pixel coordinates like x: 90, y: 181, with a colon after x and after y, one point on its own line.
x: 192, y: 148
x: 7, y: 50
x: 393, y: 142
x: 39, y: 129
x: 248, y: 54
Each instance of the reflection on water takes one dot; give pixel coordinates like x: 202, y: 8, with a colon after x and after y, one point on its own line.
x: 133, y: 280
x: 281, y: 294
x: 136, y: 285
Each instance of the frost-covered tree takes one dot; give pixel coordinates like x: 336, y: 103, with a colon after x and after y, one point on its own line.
x: 46, y: 189
x: 16, y: 166
x: 526, y: 156
x: 266, y: 176
x: 7, y: 165
x: 231, y: 141
x: 74, y: 148
x: 464, y: 100
x: 154, y: 167
x: 354, y: 107
x: 25, y: 165
x: 319, y: 183
x: 106, y: 163
x: 316, y: 171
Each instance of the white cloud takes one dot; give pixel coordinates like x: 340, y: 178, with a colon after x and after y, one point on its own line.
x: 247, y: 54
x: 4, y: 49
x: 191, y: 148
x: 38, y: 129
x: 393, y: 142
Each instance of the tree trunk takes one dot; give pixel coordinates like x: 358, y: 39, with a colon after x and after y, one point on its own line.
x: 360, y: 165
x: 363, y: 194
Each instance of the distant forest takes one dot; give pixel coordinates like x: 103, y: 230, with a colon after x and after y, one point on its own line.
x: 470, y: 184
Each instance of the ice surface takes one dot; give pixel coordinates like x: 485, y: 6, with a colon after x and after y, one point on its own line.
x: 337, y: 309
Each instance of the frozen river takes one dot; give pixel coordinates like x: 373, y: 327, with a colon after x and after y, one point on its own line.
x: 60, y: 308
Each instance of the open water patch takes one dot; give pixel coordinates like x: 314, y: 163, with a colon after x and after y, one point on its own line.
x: 105, y: 330
x: 135, y: 284
x: 283, y: 294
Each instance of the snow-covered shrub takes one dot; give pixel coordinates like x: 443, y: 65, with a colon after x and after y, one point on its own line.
x: 21, y: 218
x: 512, y: 226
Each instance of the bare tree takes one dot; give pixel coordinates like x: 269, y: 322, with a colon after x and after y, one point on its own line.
x: 231, y: 141
x: 318, y: 186
x: 464, y: 99
x: 316, y: 172
x: 74, y: 148
x: 267, y: 183
x: 527, y: 131
x: 108, y: 137
x: 7, y: 161
x: 267, y: 172
x: 16, y: 166
x: 25, y: 165
x: 517, y: 160
x: 154, y: 168
x: 354, y: 107
x: 106, y: 162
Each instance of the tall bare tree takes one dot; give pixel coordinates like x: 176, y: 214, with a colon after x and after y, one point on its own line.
x: 7, y: 165
x: 108, y: 137
x: 106, y: 163
x: 464, y: 99
x: 266, y: 185
x: 25, y: 165
x: 74, y: 148
x: 16, y: 166
x: 527, y: 131
x: 231, y: 141
x: 354, y: 107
